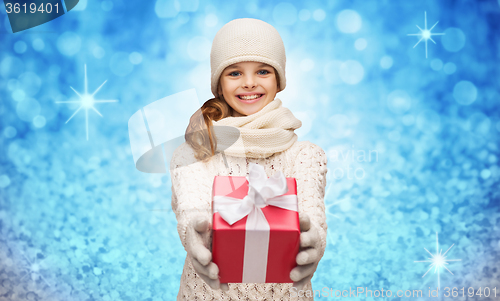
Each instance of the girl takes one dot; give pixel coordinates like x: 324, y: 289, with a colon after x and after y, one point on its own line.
x: 248, y: 69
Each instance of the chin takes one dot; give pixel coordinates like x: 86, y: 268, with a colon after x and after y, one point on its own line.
x: 251, y: 109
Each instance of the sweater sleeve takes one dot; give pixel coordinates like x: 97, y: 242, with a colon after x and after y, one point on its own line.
x: 190, y: 189
x: 310, y: 173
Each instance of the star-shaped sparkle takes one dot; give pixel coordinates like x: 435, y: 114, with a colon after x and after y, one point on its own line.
x: 438, y: 260
x: 426, y: 34
x: 33, y: 270
x: 328, y: 206
x: 87, y: 102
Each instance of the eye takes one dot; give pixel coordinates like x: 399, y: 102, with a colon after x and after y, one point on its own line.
x: 263, y: 72
x: 234, y: 73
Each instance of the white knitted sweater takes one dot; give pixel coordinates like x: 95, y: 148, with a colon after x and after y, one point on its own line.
x: 191, y: 195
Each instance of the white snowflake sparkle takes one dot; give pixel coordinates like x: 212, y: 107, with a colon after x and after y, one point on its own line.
x: 438, y: 260
x: 87, y: 102
x: 426, y: 34
x: 33, y: 270
x: 328, y: 206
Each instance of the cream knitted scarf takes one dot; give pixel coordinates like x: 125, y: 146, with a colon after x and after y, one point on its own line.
x: 260, y: 135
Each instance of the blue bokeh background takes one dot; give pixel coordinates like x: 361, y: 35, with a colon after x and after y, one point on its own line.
x: 412, y: 142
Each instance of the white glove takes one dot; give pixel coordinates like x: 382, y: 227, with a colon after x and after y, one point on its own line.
x: 309, y: 253
x: 197, y: 237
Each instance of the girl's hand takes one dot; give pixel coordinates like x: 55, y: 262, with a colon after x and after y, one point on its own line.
x: 309, y: 255
x: 197, y: 235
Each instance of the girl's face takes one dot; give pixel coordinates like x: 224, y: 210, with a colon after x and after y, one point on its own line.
x: 248, y: 87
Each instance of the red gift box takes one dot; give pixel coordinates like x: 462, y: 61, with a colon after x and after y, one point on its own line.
x: 261, y: 254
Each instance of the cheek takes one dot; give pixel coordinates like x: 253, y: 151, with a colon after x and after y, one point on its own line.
x: 271, y: 87
x: 271, y: 83
x: 223, y: 88
x: 229, y: 86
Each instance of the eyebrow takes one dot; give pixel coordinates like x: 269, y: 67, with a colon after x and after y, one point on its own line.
x: 238, y: 66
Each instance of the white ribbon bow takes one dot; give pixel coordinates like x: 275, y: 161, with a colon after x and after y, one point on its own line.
x: 262, y: 192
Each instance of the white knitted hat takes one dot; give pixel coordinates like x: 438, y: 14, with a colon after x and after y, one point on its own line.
x: 244, y: 40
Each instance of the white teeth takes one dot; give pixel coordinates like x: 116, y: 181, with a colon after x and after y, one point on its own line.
x: 248, y: 97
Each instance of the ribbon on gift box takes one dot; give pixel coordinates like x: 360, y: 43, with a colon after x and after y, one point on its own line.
x: 262, y: 192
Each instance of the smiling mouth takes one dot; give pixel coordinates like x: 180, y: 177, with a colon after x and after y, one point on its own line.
x: 249, y: 97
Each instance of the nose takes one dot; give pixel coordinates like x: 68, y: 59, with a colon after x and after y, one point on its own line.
x: 249, y: 82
